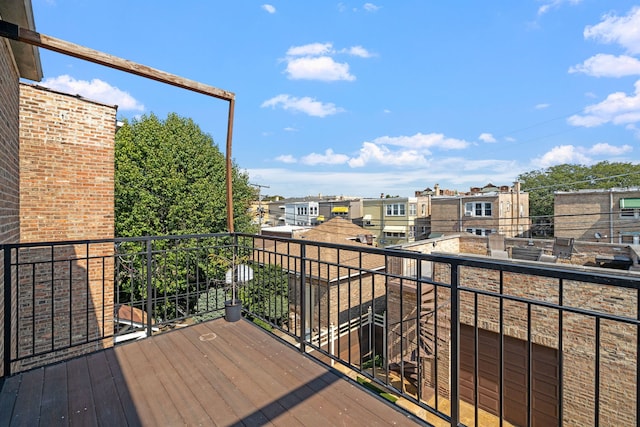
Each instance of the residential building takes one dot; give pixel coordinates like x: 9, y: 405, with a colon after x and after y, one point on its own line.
x: 347, y: 208
x: 609, y: 215
x: 396, y: 220
x: 482, y: 211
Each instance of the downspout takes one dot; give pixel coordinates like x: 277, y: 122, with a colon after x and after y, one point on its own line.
x: 611, y: 215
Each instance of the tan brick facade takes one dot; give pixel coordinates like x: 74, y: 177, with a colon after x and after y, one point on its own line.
x: 509, y: 214
x: 582, y: 214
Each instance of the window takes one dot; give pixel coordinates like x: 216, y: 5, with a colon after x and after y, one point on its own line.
x: 477, y: 209
x: 479, y: 231
x: 630, y: 213
x: 423, y: 208
x: 394, y: 234
x: 413, y: 209
x: 396, y: 209
x: 412, y: 231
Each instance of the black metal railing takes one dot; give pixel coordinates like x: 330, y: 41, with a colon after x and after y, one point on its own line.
x: 461, y: 337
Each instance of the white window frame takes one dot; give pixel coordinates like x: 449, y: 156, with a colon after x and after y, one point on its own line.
x: 413, y: 209
x: 395, y: 209
x: 478, y: 209
x: 629, y: 213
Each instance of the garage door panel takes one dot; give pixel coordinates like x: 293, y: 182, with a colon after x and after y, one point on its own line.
x: 544, y: 377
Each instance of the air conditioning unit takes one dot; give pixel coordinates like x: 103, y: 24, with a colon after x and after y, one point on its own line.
x: 468, y: 213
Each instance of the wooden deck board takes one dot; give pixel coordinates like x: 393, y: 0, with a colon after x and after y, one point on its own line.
x: 214, y: 373
x: 108, y: 408
x: 81, y: 406
x: 54, y: 396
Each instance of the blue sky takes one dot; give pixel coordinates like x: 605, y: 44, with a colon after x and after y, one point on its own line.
x: 358, y: 99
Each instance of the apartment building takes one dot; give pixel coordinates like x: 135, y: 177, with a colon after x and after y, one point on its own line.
x: 607, y: 215
x: 396, y: 220
x: 482, y: 211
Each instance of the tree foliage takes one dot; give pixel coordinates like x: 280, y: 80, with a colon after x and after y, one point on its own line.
x: 170, y: 179
x: 541, y: 184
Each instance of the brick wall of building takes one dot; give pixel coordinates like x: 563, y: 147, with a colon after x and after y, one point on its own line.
x: 66, y: 193
x: 67, y: 169
x: 581, y: 214
x: 9, y: 175
x: 618, y: 342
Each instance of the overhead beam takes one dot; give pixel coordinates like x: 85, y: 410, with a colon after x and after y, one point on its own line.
x: 15, y: 32
x: 25, y: 35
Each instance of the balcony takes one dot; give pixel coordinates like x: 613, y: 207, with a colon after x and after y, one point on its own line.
x: 133, y: 330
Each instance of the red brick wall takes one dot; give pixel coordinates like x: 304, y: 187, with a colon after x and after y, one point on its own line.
x: 9, y: 176
x: 66, y: 193
x: 66, y: 166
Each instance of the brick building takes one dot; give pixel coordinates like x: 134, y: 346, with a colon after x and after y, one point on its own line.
x: 66, y: 193
x: 503, y: 210
x: 529, y: 336
x: 610, y: 215
x: 17, y: 61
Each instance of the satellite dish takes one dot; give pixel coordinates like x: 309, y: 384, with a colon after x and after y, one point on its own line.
x: 244, y: 273
x: 597, y: 235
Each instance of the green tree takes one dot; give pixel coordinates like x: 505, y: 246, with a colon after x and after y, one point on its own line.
x: 170, y: 179
x: 541, y: 184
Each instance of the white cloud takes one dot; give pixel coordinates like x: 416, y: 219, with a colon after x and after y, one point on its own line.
x: 541, y: 106
x: 581, y: 155
x: 423, y: 141
x: 373, y: 153
x: 486, y: 137
x: 370, y: 7
x: 269, y: 8
x: 305, y: 105
x: 603, y: 65
x: 358, y: 51
x: 290, y: 129
x: 617, y: 108
x: 312, y: 49
x: 550, y: 4
x: 286, y: 158
x: 605, y: 149
x: 315, y: 61
x: 328, y: 158
x: 618, y: 29
x: 560, y: 155
x: 96, y: 90
x: 413, y: 152
x: 322, y: 68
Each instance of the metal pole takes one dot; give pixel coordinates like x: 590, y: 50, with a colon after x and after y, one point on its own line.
x: 149, y: 287
x: 7, y: 310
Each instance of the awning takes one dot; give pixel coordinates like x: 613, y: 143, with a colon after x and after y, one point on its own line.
x: 394, y: 229
x: 340, y: 209
x: 366, y: 218
x: 629, y: 203
x: 320, y: 218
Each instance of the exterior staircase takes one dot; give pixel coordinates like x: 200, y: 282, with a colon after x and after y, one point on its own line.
x: 418, y: 339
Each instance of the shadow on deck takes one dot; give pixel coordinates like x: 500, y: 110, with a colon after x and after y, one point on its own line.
x: 213, y: 373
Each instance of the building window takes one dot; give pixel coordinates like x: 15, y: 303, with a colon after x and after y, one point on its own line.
x: 396, y: 209
x: 477, y: 209
x: 413, y: 209
x: 423, y: 208
x: 479, y: 231
x: 394, y: 234
x: 630, y: 213
x: 412, y: 231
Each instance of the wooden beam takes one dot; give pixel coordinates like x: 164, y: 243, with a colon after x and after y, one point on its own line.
x: 15, y: 32
x: 95, y: 56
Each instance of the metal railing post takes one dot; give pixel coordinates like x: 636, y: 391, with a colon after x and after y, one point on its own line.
x: 7, y: 310
x: 303, y: 298
x: 149, y: 287
x: 455, y: 346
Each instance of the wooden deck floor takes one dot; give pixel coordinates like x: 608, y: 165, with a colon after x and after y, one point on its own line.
x: 211, y: 374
